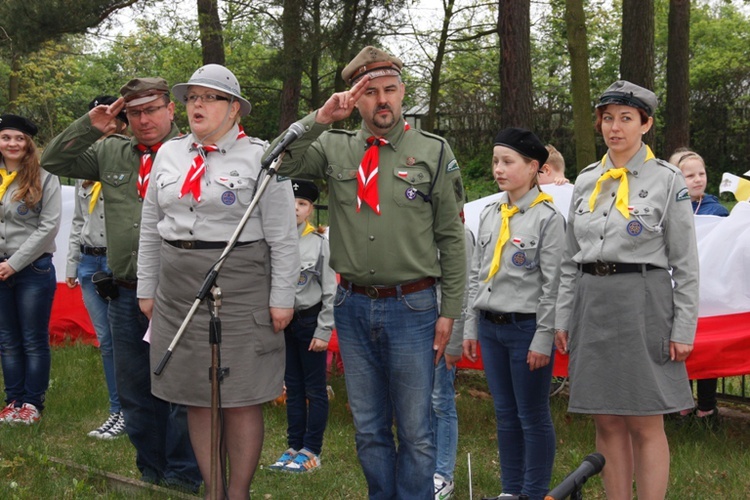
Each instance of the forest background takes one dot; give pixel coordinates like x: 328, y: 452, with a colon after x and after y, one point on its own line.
x: 472, y: 66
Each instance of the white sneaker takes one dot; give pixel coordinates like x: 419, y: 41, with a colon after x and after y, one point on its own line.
x: 28, y: 414
x: 443, y: 488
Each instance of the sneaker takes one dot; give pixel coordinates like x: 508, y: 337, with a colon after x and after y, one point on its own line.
x: 284, y: 459
x: 116, y: 430
x: 443, y: 488
x: 111, y: 420
x: 305, y: 461
x: 27, y: 414
x: 9, y: 413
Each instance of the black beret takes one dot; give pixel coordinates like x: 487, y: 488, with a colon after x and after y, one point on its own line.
x: 15, y: 122
x: 629, y: 94
x: 374, y: 61
x: 107, y: 100
x: 307, y: 190
x: 524, y: 142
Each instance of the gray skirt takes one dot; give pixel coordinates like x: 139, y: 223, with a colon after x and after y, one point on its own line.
x: 249, y: 348
x: 619, y: 347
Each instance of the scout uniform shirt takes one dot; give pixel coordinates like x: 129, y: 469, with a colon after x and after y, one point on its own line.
x: 227, y: 188
x: 529, y: 273
x: 87, y: 227
x: 115, y: 162
x: 659, y: 232
x: 27, y: 233
x: 402, y: 243
x: 317, y: 281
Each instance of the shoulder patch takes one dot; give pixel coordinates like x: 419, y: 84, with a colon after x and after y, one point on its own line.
x: 282, y: 178
x: 682, y: 195
x: 453, y: 165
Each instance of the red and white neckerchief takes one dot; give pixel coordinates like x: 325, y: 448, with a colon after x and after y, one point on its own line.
x: 147, y: 161
x: 367, y: 174
x: 192, y: 182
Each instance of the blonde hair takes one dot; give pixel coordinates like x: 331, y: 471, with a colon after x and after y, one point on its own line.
x: 29, y: 179
x: 681, y: 155
x: 555, y: 160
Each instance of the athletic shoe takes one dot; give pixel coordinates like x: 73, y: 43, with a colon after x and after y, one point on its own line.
x: 27, y: 414
x: 9, y: 413
x: 443, y: 488
x: 117, y: 429
x: 284, y: 459
x: 107, y: 425
x: 305, y: 461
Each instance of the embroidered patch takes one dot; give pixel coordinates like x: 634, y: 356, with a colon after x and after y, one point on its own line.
x: 634, y: 228
x: 453, y: 165
x: 519, y: 259
x: 228, y: 198
x: 411, y: 161
x: 302, y: 281
x: 682, y: 194
x: 281, y: 178
x: 410, y: 193
x: 22, y: 209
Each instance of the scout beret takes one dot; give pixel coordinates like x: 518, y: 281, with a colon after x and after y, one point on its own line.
x: 15, y: 122
x: 523, y: 142
x: 629, y: 94
x: 107, y: 100
x: 142, y: 90
x: 374, y: 61
x: 307, y: 190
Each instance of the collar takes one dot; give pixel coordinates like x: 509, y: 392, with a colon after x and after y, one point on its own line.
x: 633, y: 165
x: 393, y: 136
x: 173, y: 132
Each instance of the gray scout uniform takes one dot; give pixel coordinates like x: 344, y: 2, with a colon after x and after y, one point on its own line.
x: 620, y: 325
x: 25, y: 233
x: 529, y: 275
x: 317, y: 281
x: 402, y: 244
x: 86, y: 229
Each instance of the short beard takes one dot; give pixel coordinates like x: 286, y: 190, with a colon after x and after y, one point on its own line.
x: 384, y: 122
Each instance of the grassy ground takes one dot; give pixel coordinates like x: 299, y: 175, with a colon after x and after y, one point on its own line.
x: 704, y: 464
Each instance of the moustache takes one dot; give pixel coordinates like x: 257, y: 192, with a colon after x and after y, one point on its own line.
x: 382, y: 107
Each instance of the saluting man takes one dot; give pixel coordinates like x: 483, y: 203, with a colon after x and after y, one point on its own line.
x: 395, y: 198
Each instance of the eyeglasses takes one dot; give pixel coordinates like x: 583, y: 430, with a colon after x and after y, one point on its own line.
x: 134, y: 114
x: 206, y: 98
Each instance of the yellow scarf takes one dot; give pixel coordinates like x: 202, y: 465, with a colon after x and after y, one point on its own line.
x: 621, y: 199
x: 308, y: 229
x: 7, y: 178
x: 507, y: 213
x: 95, y: 190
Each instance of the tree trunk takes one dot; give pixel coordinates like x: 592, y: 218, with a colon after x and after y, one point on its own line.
x: 291, y: 22
x: 583, y: 129
x: 316, y: 95
x: 677, y: 116
x: 13, y: 81
x: 637, y: 60
x: 431, y: 118
x: 209, y: 24
x: 513, y: 26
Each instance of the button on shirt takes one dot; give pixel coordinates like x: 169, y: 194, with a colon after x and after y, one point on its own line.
x: 86, y: 228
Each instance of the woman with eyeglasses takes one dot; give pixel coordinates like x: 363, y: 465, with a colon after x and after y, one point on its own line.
x: 201, y: 186
x: 627, y: 305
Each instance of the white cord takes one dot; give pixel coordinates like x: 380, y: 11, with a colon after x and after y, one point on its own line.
x: 468, y: 459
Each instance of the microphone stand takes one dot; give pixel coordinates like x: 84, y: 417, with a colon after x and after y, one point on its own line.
x: 216, y: 372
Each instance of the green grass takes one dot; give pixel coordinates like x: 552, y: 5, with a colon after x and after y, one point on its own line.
x: 704, y: 464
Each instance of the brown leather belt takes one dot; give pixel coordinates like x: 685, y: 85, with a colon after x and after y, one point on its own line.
x: 381, y: 292
x: 203, y: 245
x: 600, y: 268
x: 129, y: 284
x: 507, y: 318
x: 87, y: 250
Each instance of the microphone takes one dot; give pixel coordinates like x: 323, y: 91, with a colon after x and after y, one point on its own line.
x: 294, y: 132
x: 591, y: 466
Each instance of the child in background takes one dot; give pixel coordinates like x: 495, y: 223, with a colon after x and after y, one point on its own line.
x: 553, y: 170
x: 307, y: 339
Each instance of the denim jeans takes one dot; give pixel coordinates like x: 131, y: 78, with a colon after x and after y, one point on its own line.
x: 97, y: 308
x: 157, y: 429
x: 445, y: 420
x: 306, y: 394
x: 25, y: 307
x: 525, y: 435
x: 386, y: 345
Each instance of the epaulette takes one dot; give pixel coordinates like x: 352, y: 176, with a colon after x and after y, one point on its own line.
x: 430, y: 135
x: 590, y: 167
x: 257, y: 141
x: 666, y: 164
x: 342, y: 131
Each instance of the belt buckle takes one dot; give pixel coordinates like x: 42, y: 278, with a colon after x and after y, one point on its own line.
x: 602, y: 268
x: 372, y: 292
x: 186, y: 245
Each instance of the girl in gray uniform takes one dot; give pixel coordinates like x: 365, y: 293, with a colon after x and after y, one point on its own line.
x: 629, y: 324
x: 201, y: 185
x: 512, y: 288
x: 30, y: 207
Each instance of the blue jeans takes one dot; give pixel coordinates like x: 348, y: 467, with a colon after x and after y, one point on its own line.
x: 157, y: 429
x: 445, y: 420
x: 305, y: 379
x: 525, y: 435
x: 386, y: 345
x: 25, y: 307
x: 97, y: 308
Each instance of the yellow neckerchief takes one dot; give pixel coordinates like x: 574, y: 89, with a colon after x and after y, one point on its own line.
x: 507, y: 213
x: 7, y: 180
x: 95, y: 190
x: 621, y: 200
x: 308, y: 229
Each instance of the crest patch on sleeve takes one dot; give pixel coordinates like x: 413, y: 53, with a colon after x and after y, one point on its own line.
x: 453, y: 165
x: 682, y: 195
